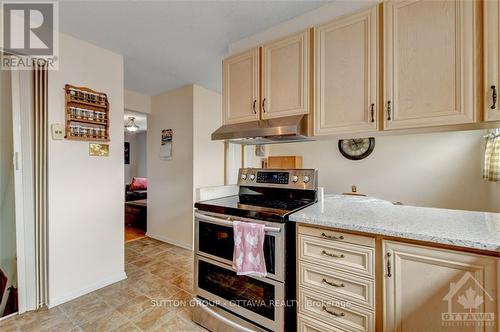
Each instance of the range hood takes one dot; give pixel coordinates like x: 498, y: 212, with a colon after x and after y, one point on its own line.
x: 280, y: 130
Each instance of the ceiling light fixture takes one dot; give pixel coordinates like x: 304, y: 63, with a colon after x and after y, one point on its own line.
x: 131, y: 125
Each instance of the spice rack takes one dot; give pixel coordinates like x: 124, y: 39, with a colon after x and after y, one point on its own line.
x: 87, y: 114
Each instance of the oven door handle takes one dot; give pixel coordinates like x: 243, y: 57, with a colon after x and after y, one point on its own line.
x: 229, y: 222
x: 212, y: 313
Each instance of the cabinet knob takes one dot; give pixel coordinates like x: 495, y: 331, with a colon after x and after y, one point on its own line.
x: 372, y: 112
x: 253, y: 106
x: 389, y: 111
x: 264, y: 105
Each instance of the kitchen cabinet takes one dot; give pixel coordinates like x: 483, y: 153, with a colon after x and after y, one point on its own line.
x: 491, y: 60
x: 282, y: 77
x: 429, y: 63
x: 355, y: 282
x: 336, y: 282
x: 423, y: 284
x: 347, y: 76
x: 240, y: 87
x: 285, y: 76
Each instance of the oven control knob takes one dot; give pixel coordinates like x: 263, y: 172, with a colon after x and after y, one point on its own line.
x: 252, y: 177
x: 306, y: 179
x: 295, y: 178
x: 243, y: 176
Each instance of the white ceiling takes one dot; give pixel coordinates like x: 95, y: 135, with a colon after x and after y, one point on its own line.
x: 167, y: 44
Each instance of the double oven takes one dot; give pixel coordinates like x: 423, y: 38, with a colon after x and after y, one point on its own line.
x: 259, y: 300
x: 230, y: 302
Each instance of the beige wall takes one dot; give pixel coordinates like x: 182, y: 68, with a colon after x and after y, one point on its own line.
x: 170, y: 182
x: 318, y: 16
x: 86, y: 194
x: 193, y: 113
x: 208, y: 163
x: 441, y: 170
x: 137, y: 102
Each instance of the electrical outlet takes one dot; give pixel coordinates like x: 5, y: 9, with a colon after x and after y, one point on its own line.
x: 57, y: 131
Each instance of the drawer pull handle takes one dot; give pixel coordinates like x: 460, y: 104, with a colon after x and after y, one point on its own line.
x: 494, y: 96
x: 333, y: 313
x: 331, y: 237
x: 332, y: 255
x: 332, y: 283
x: 389, y: 111
x: 389, y: 274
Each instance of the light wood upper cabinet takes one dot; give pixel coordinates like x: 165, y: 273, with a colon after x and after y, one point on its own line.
x: 429, y: 63
x: 285, y: 76
x: 423, y: 284
x: 491, y: 59
x: 347, y: 74
x: 240, y: 87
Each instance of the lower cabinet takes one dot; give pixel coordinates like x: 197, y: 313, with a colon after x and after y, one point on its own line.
x: 419, y: 288
x: 335, y: 281
x: 430, y: 289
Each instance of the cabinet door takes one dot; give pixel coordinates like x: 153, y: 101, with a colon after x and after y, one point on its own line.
x: 424, y: 287
x: 491, y: 59
x: 240, y: 87
x: 429, y: 53
x: 347, y: 74
x: 285, y: 76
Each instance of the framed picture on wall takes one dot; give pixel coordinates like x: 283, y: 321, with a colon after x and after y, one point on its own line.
x: 126, y: 152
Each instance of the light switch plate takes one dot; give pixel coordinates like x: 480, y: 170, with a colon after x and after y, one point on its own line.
x: 57, y: 131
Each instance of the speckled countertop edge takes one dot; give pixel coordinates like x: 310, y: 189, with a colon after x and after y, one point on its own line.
x: 325, y: 214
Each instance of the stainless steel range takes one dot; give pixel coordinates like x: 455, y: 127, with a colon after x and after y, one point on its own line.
x: 226, y: 301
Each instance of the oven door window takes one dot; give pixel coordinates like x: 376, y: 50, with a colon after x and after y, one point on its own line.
x: 246, y: 292
x: 218, y: 241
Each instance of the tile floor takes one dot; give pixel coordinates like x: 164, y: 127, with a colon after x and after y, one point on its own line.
x: 154, y: 297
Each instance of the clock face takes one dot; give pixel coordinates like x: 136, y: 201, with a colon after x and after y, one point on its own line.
x: 356, y: 148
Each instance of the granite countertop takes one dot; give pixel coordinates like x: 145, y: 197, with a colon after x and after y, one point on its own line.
x: 467, y: 229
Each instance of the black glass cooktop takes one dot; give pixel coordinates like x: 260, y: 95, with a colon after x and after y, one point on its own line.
x: 260, y: 203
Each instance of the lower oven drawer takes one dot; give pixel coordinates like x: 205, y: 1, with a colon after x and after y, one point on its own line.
x: 259, y: 300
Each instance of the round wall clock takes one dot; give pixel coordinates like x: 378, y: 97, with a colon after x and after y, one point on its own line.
x: 357, y: 148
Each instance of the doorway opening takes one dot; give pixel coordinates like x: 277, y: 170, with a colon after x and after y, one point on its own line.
x: 136, y: 181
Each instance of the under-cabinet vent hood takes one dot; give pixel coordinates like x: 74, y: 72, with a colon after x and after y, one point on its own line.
x: 280, y: 130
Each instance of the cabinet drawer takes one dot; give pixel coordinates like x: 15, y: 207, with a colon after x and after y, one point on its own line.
x: 335, y: 312
x: 350, y: 288
x: 341, y: 256
x: 307, y: 324
x: 337, y: 236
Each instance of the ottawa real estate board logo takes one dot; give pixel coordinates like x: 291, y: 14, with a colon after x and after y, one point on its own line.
x: 468, y: 304
x: 29, y: 32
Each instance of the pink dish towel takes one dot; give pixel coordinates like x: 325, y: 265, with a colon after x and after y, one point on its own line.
x: 248, y: 256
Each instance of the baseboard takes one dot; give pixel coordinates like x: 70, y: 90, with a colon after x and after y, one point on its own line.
x: 167, y: 240
x: 93, y: 287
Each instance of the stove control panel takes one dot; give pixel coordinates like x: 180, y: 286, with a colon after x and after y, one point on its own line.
x: 305, y: 179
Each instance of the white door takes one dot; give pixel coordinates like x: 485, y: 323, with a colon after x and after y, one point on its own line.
x: 426, y: 289
x: 429, y: 63
x: 491, y: 60
x: 347, y: 48
x: 285, y: 76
